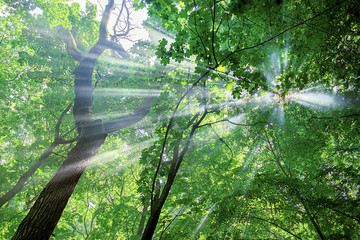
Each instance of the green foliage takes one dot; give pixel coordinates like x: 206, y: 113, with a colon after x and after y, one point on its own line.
x: 267, y: 160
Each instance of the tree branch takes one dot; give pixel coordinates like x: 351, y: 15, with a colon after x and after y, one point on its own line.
x: 279, y: 34
x: 44, y: 156
x: 105, y: 19
x: 238, y: 124
x: 276, y: 225
x: 222, y: 140
x: 22, y: 180
x: 71, y: 45
x: 159, y: 203
x: 117, y: 47
x: 343, y: 116
x: 122, y: 122
x: 57, y: 127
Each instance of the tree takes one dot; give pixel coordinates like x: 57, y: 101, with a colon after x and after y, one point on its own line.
x: 253, y: 134
x: 218, y: 42
x: 44, y: 215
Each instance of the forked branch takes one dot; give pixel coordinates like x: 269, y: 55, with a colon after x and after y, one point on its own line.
x: 43, y: 158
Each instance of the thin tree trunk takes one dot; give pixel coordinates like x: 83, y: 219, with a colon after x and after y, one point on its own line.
x: 158, y: 202
x: 312, y: 219
x: 142, y: 221
x: 46, y: 212
x: 156, y: 210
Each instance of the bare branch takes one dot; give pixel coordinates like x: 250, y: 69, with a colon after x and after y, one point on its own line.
x: 69, y: 141
x: 68, y: 132
x: 127, y: 25
x: 127, y: 22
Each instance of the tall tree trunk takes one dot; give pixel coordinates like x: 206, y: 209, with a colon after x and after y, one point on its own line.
x: 46, y: 212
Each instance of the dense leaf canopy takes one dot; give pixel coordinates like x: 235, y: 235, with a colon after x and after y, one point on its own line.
x: 242, y: 122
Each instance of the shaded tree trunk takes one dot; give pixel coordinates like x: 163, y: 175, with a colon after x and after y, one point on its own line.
x: 156, y: 209
x: 46, y: 212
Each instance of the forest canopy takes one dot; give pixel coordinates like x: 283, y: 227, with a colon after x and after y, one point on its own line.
x: 232, y: 120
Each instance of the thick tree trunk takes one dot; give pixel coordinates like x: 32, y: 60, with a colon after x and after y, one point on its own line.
x: 46, y: 212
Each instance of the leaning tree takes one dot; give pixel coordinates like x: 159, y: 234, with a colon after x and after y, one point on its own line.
x: 46, y: 211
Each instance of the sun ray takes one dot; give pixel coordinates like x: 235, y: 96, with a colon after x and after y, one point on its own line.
x: 120, y: 154
x: 317, y: 101
x: 125, y: 92
x: 202, y: 222
x: 286, y: 56
x: 278, y: 115
x: 107, y: 157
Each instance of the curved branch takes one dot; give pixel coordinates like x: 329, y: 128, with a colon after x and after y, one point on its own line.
x: 281, y: 33
x: 127, y: 26
x: 117, y: 47
x: 118, y: 17
x: 57, y: 127
x: 71, y: 45
x: 105, y: 19
x: 222, y: 140
x: 138, y: 114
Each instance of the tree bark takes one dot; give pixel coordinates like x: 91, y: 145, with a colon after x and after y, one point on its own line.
x: 40, y: 222
x: 156, y: 209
